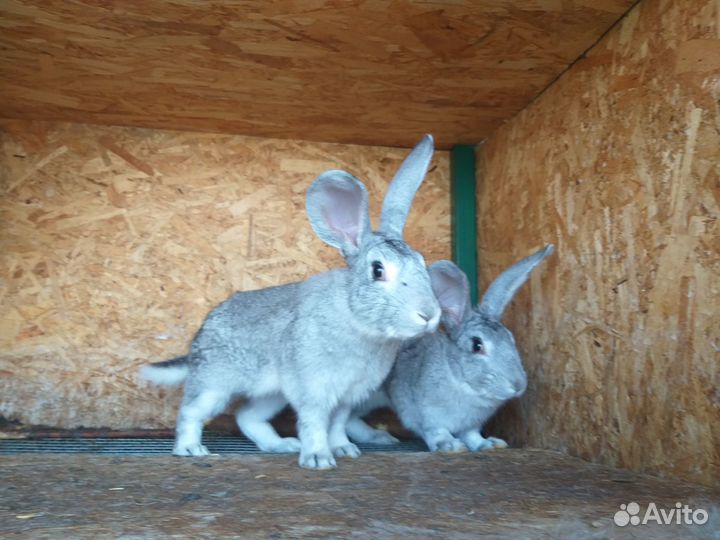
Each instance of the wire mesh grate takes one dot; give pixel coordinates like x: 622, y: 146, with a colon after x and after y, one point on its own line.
x: 217, y: 444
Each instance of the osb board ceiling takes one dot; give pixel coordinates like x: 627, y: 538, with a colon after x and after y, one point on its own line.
x: 617, y: 164
x: 116, y: 242
x: 369, y: 72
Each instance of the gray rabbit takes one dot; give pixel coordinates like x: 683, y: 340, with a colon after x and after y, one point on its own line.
x: 324, y: 344
x: 444, y: 386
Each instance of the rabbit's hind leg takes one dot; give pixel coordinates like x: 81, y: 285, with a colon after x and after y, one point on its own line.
x: 253, y: 419
x: 359, y: 431
x: 195, y: 410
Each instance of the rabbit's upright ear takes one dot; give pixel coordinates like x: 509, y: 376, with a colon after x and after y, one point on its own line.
x: 502, y: 290
x: 450, y: 286
x: 403, y: 187
x: 337, y: 206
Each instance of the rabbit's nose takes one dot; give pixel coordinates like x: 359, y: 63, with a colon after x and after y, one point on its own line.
x: 429, y: 319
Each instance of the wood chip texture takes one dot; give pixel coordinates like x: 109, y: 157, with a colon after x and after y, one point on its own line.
x: 618, y: 164
x: 116, y: 242
x: 375, y: 73
x: 500, y: 494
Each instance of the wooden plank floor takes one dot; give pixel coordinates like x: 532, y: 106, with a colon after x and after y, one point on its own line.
x: 497, y: 494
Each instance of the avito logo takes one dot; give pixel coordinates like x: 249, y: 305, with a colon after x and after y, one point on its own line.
x: 682, y: 514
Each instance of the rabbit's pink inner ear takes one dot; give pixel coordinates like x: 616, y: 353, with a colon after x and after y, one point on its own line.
x: 343, y: 214
x: 451, y: 310
x: 338, y: 211
x: 346, y: 232
x: 451, y: 290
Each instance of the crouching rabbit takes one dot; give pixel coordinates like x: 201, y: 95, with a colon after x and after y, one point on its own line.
x: 445, y: 386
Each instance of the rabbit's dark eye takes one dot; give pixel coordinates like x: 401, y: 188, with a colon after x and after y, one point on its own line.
x: 378, y: 271
x: 478, y: 346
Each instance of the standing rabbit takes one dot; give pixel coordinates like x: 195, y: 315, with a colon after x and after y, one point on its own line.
x: 324, y: 344
x: 444, y: 386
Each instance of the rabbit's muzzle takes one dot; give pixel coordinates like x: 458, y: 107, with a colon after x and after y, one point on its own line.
x: 428, y: 319
x: 520, y: 387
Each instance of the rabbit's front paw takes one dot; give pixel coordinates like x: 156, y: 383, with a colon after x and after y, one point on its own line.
x: 449, y: 445
x: 347, y: 450
x: 476, y: 442
x: 287, y: 445
x: 486, y: 444
x: 191, y: 450
x: 497, y: 443
x: 479, y: 445
x: 317, y: 460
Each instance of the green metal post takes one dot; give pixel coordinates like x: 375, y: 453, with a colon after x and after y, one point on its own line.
x: 464, y: 222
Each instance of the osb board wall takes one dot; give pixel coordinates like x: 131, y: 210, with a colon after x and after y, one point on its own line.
x: 320, y: 70
x: 115, y: 243
x: 618, y: 165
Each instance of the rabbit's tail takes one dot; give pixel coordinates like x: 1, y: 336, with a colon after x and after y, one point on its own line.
x: 168, y: 372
